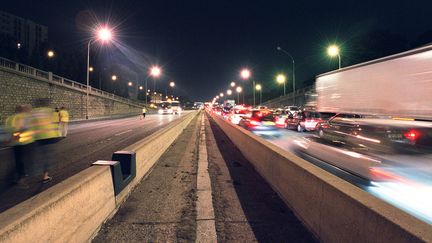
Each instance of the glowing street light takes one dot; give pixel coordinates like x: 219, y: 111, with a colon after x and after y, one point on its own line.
x: 90, y: 69
x: 229, y: 92
x: 221, y: 95
x: 259, y: 88
x: 233, y: 84
x: 172, y: 84
x: 281, y: 79
x: 246, y: 74
x: 129, y: 83
x: 141, y: 87
x: 155, y: 71
x: 114, y: 77
x: 103, y: 34
x: 334, y: 51
x: 50, y: 53
x: 239, y: 90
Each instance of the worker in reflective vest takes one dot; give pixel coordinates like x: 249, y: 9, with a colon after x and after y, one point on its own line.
x: 20, y: 126
x: 63, y: 121
x: 46, y: 133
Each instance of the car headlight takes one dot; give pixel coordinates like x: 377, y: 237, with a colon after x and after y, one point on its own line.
x: 160, y: 111
x: 170, y: 110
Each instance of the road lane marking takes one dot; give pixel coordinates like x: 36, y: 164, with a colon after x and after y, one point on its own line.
x: 206, y: 229
x: 121, y: 133
x: 4, y: 148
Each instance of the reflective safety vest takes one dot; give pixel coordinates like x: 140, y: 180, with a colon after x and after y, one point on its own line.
x: 64, y: 116
x: 56, y: 116
x: 43, y: 124
x: 20, y: 126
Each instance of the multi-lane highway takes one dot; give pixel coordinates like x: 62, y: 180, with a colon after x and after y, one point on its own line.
x: 86, y: 142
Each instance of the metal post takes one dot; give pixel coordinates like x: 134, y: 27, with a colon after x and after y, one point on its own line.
x: 260, y: 96
x: 284, y: 88
x: 88, y: 86
x: 253, y: 83
x: 146, y: 91
x: 294, y: 81
x: 238, y: 98
x: 339, y: 61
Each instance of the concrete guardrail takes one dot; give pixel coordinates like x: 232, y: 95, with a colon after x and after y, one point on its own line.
x: 333, y: 209
x: 74, y: 210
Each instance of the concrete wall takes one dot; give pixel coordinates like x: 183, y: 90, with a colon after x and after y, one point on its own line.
x: 74, y: 210
x: 21, y: 88
x: 333, y: 209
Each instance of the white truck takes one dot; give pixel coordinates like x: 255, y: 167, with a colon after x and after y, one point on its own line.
x: 398, y: 86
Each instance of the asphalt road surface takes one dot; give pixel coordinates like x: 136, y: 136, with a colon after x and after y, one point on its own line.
x: 86, y: 143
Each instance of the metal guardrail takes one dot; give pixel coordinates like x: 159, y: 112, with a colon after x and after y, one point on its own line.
x: 21, y: 68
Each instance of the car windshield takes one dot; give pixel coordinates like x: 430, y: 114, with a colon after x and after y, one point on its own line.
x: 263, y: 115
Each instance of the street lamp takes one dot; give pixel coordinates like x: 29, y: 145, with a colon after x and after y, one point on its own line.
x: 229, y: 92
x: 154, y: 72
x: 172, y: 84
x: 246, y: 74
x: 129, y: 83
x: 141, y: 87
x: 280, y: 78
x: 293, y: 63
x: 233, y: 84
x: 221, y: 95
x: 103, y: 34
x: 90, y: 69
x: 50, y: 53
x: 333, y: 51
x: 114, y: 77
x: 259, y: 88
x: 239, y: 90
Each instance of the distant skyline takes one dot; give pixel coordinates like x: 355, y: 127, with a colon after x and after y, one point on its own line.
x: 202, y: 45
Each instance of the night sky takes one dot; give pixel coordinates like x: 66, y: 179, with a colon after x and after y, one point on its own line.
x: 202, y: 45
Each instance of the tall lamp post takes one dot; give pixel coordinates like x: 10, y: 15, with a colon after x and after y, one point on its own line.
x: 154, y: 72
x: 280, y: 78
x: 333, y: 51
x: 259, y: 88
x: 293, y: 63
x: 239, y: 90
x: 246, y: 74
x: 103, y: 34
x: 172, y: 84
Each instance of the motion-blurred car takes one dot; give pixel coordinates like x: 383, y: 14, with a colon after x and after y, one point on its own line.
x: 280, y: 116
x: 170, y: 107
x: 291, y: 108
x: 375, y: 149
x: 258, y: 120
x: 303, y: 120
x: 237, y: 113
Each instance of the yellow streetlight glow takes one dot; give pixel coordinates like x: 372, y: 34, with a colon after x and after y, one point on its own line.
x: 229, y: 92
x: 155, y: 71
x: 258, y: 87
x: 114, y: 77
x: 90, y: 69
x: 280, y: 78
x: 233, y: 84
x: 245, y: 73
x: 50, y: 53
x: 221, y: 94
x: 172, y: 84
x: 217, y: 96
x: 333, y: 50
x: 141, y: 87
x: 130, y: 83
x: 239, y: 89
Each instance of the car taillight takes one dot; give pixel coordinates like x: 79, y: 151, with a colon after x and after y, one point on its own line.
x: 412, y: 135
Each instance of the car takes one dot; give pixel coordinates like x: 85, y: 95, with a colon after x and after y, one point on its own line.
x: 280, y: 116
x: 374, y: 148
x: 327, y: 117
x: 261, y: 107
x: 303, y: 120
x: 258, y: 120
x: 291, y: 108
x: 170, y: 107
x: 237, y: 113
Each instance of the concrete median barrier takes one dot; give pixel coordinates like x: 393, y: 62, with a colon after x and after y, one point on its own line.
x: 73, y: 210
x: 333, y: 209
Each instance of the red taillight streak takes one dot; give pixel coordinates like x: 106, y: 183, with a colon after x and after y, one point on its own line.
x: 412, y: 135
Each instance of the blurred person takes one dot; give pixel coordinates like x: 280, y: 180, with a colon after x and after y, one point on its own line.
x: 56, y: 117
x: 46, y: 133
x: 20, y: 126
x: 144, y: 111
x: 63, y: 121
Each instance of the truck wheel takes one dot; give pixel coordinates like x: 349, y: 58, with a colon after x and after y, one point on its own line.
x: 299, y: 128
